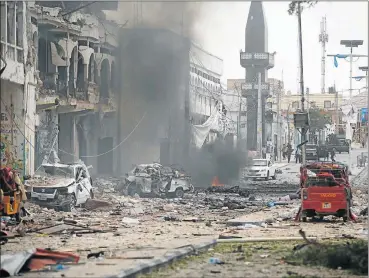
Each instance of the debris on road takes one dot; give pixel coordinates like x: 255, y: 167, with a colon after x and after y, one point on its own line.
x: 34, y: 260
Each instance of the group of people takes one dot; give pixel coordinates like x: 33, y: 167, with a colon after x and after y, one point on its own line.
x: 287, y: 151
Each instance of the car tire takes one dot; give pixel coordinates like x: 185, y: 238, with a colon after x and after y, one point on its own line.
x: 267, y: 177
x: 304, y: 219
x: 72, y: 201
x: 275, y: 176
x: 179, y: 193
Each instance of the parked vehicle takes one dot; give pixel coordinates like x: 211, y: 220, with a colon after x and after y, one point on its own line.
x: 260, y: 169
x: 311, y: 152
x: 61, y: 186
x: 155, y: 179
x: 325, y: 191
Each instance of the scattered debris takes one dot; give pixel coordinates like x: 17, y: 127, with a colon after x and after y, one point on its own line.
x: 33, y: 260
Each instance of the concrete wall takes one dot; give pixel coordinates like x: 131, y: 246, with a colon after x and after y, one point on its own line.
x: 12, y: 131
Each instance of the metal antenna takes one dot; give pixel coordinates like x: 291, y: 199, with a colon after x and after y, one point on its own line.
x: 323, y: 39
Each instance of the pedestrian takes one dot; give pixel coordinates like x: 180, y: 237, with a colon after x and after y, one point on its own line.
x: 333, y: 154
x: 284, y: 151
x: 298, y: 155
x: 289, y: 152
x: 263, y: 152
x: 326, y: 155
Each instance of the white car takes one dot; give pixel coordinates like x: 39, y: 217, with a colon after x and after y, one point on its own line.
x: 60, y: 186
x: 260, y: 169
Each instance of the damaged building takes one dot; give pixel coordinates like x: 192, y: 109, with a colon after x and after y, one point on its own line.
x: 18, y: 87
x: 77, y: 85
x: 93, y: 90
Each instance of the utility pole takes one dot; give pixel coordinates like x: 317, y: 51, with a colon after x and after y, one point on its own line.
x: 239, y: 120
x: 259, y: 118
x: 351, y: 44
x: 337, y: 115
x: 323, y: 39
x: 303, y: 130
x: 278, y: 120
x: 288, y: 124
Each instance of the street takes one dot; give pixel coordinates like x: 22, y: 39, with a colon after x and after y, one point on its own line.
x: 131, y: 231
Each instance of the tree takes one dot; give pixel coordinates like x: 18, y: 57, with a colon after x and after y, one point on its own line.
x: 292, y: 7
x: 318, y: 120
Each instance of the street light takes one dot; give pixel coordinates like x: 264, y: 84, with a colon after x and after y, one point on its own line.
x: 351, y: 44
x: 365, y: 69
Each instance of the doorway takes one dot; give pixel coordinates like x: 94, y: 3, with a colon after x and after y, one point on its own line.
x: 105, y: 162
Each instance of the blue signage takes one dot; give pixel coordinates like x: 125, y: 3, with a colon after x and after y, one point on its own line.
x: 364, y: 115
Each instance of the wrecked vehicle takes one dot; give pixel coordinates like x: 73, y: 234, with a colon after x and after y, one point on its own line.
x: 60, y: 186
x: 155, y: 179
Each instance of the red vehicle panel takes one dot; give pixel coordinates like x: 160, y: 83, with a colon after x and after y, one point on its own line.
x: 325, y: 191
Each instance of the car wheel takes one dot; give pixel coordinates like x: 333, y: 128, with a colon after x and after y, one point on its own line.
x: 304, y: 219
x: 267, y: 177
x: 275, y: 176
x: 71, y: 203
x: 132, y: 190
x: 179, y: 193
x: 345, y: 218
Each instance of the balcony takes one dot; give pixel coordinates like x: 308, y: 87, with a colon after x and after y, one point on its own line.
x: 265, y: 60
x: 251, y: 88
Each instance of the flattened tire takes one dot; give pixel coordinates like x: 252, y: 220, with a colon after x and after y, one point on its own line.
x: 179, y: 193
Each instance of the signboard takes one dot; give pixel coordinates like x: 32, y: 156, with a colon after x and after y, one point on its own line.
x: 364, y: 115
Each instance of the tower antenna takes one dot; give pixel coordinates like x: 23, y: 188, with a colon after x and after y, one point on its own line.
x: 323, y: 39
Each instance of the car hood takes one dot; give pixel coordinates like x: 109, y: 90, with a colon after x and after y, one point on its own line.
x: 259, y: 168
x: 50, y: 182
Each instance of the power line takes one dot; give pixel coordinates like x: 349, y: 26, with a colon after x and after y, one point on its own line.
x: 91, y: 156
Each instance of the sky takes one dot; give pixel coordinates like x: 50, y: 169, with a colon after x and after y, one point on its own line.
x: 222, y: 29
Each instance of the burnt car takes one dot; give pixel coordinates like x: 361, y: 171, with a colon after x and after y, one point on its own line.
x: 155, y: 179
x: 60, y: 186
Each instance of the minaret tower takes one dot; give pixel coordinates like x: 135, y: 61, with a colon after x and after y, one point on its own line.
x: 255, y: 59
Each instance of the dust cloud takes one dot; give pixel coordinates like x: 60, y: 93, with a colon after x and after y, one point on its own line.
x: 155, y: 67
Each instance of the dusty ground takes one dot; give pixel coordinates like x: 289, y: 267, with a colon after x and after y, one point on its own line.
x: 155, y: 227
x: 247, y: 260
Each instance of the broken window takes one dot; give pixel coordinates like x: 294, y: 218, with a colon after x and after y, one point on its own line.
x: 91, y: 67
x: 80, y: 73
x: 105, y: 81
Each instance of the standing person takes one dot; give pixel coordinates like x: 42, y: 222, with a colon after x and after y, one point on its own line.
x: 333, y: 154
x: 284, y: 151
x: 298, y: 155
x: 263, y: 152
x: 289, y: 152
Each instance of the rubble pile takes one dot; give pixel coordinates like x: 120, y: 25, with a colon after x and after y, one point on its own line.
x: 360, y: 201
x: 229, y: 189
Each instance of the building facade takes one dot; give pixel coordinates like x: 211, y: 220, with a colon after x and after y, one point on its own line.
x: 18, y: 87
x: 77, y: 83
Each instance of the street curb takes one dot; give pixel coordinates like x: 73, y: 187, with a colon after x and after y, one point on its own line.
x: 163, y: 261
